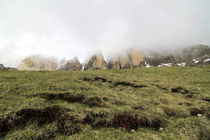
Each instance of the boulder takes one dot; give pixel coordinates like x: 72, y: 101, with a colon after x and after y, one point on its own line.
x: 72, y: 65
x: 96, y: 62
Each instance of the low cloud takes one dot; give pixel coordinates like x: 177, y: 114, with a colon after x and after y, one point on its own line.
x: 68, y: 28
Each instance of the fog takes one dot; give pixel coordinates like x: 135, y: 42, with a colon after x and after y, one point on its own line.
x: 68, y: 28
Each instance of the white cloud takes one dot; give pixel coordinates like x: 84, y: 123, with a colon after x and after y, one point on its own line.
x: 68, y: 28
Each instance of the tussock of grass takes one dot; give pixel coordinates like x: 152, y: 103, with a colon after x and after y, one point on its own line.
x: 69, y: 97
x: 175, y: 112
x: 23, y: 117
x: 196, y: 111
x: 129, y: 122
x: 93, y: 101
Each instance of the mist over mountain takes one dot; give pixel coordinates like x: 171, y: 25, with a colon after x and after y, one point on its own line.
x: 67, y: 28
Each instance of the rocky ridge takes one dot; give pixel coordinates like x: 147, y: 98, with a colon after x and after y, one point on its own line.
x: 192, y: 56
x: 38, y: 62
x: 96, y: 62
x: 134, y: 58
x: 73, y: 65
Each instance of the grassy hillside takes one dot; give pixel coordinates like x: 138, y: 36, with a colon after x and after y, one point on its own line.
x: 147, y: 103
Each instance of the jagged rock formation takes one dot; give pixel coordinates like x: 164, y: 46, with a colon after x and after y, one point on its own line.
x: 96, y: 62
x: 136, y: 57
x: 72, y: 65
x: 38, y: 62
x: 129, y: 59
x: 133, y: 58
x: 125, y: 61
x: 2, y: 67
x: 113, y: 64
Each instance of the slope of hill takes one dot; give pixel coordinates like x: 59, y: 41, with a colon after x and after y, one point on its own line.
x: 147, y: 103
x: 191, y: 56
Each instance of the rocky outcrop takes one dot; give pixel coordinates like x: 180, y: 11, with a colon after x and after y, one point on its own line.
x: 125, y: 61
x: 195, y: 56
x: 96, y: 62
x: 113, y: 64
x: 136, y: 57
x: 71, y: 65
x: 133, y: 58
x: 2, y: 67
x: 191, y: 56
x: 38, y: 62
x: 195, y: 51
x: 200, y: 61
x: 158, y: 60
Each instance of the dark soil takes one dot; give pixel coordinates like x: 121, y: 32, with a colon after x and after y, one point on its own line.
x: 182, y: 90
x: 206, y: 99
x: 115, y: 84
x: 161, y: 87
x: 128, y: 84
x: 96, y: 79
x: 196, y: 111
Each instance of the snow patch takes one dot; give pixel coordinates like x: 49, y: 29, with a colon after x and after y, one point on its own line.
x: 83, y: 67
x: 206, y: 60
x: 181, y: 64
x: 147, y: 65
x: 195, y: 60
x: 166, y: 65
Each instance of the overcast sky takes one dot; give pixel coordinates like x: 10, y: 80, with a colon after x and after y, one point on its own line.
x: 68, y: 28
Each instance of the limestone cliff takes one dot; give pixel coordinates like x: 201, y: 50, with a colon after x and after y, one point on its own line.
x: 38, y: 62
x: 72, y: 65
x: 96, y: 62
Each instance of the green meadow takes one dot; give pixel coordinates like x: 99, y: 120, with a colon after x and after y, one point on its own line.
x: 147, y: 103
